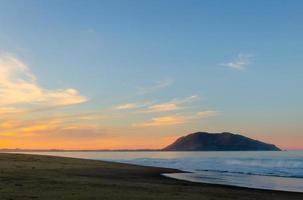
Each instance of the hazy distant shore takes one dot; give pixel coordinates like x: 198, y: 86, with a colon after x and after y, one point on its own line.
x: 46, y: 177
x: 74, y: 150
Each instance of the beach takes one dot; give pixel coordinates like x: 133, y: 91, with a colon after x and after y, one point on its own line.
x: 48, y: 177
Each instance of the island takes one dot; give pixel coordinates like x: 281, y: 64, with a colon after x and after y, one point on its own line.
x: 204, y: 141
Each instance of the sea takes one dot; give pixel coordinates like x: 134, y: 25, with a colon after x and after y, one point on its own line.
x: 269, y: 170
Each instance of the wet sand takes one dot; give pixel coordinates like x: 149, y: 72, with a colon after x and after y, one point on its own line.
x: 56, y: 178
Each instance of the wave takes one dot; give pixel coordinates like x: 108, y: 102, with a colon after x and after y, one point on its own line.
x: 251, y: 166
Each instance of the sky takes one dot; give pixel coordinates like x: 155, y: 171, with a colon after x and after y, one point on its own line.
x: 134, y: 74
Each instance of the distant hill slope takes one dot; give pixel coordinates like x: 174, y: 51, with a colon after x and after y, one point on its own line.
x: 203, y: 141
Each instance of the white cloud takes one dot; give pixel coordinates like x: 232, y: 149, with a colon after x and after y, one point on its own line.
x: 19, y: 86
x: 240, y: 62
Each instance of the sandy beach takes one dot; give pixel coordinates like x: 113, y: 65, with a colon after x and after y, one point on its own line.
x: 46, y: 177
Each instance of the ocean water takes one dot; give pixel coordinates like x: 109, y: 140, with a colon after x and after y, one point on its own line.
x: 264, y: 170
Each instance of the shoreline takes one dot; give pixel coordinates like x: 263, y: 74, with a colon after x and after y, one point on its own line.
x: 190, y: 177
x: 228, y: 178
x: 27, y: 176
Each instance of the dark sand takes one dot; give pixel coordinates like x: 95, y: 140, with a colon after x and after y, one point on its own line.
x: 54, y: 178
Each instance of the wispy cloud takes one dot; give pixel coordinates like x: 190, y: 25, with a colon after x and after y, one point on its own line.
x: 18, y: 85
x: 90, y: 30
x: 126, y: 106
x: 155, y: 87
x: 172, y: 105
x: 9, y: 110
x: 240, y: 62
x: 207, y: 113
x: 164, y: 107
x: 131, y: 106
x: 149, y: 107
x: 24, y: 127
x: 162, y: 121
x: 177, y: 119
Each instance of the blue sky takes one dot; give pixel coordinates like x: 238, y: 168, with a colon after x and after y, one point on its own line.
x: 239, y: 60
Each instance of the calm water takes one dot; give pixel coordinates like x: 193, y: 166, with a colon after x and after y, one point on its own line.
x: 266, y: 170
